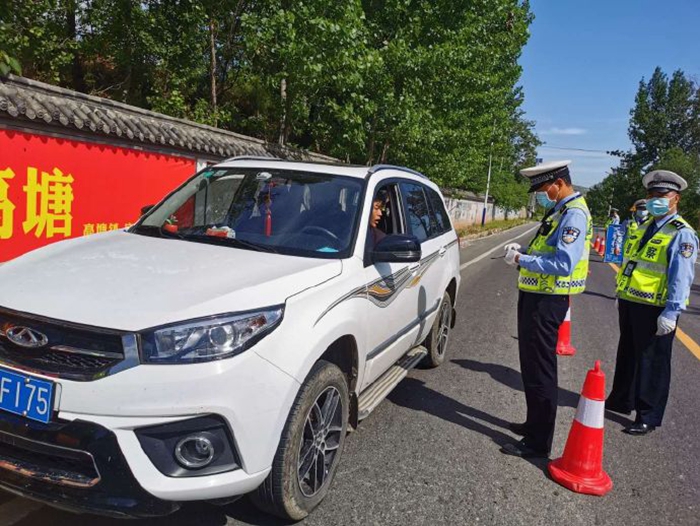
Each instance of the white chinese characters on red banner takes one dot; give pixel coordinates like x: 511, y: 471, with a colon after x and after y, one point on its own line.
x: 52, y: 189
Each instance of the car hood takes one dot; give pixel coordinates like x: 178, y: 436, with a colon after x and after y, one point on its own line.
x: 131, y: 282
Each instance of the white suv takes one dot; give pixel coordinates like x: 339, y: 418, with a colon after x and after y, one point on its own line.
x: 224, y: 344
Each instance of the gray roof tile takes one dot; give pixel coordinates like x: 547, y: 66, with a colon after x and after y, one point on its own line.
x: 22, y: 99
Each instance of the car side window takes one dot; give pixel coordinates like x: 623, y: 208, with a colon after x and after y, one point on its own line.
x: 417, y: 211
x: 442, y: 220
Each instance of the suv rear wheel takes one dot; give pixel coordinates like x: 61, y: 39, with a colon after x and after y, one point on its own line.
x: 439, y: 335
x: 310, y: 447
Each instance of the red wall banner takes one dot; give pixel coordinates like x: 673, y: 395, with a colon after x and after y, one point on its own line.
x: 52, y: 189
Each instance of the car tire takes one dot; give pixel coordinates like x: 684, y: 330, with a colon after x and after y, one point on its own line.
x: 288, y: 492
x: 439, y: 335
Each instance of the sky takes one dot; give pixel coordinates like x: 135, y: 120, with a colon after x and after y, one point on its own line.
x: 582, y: 67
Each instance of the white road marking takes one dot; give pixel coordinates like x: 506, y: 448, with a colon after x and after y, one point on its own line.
x: 17, y: 509
x: 498, y: 247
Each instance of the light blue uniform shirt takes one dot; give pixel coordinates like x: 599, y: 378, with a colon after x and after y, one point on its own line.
x: 682, y: 254
x: 568, y: 253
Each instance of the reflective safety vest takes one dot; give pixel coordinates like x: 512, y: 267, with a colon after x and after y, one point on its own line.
x: 632, y: 227
x: 642, y: 277
x: 575, y: 283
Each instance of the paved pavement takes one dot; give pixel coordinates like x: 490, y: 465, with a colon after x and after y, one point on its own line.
x: 429, y: 454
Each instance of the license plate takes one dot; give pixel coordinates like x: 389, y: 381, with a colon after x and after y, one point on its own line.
x: 26, y: 396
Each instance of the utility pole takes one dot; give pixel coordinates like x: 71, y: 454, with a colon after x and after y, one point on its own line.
x: 488, y: 177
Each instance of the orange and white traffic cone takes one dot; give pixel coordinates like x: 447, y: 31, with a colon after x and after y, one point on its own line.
x: 596, y: 245
x: 601, y: 249
x: 564, y: 347
x: 580, y: 469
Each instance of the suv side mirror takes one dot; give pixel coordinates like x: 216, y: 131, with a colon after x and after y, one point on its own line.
x: 146, y: 209
x: 397, y: 248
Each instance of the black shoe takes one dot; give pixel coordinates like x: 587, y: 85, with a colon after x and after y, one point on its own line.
x: 518, y: 429
x: 520, y: 449
x: 638, y: 429
x: 617, y: 409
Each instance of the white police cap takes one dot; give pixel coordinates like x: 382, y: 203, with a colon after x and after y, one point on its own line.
x: 639, y: 204
x: 545, y: 173
x: 664, y: 181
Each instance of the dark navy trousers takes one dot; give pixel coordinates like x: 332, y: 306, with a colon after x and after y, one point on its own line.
x: 539, y: 318
x: 643, y: 369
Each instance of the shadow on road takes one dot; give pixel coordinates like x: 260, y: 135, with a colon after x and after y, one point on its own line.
x: 511, y: 378
x: 202, y: 514
x: 413, y: 394
x: 599, y: 294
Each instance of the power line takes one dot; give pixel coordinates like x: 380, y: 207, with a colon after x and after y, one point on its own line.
x: 576, y: 149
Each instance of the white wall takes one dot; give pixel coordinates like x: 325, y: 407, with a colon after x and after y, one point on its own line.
x: 465, y: 212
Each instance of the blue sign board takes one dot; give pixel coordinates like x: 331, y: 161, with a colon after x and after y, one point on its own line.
x: 614, y: 244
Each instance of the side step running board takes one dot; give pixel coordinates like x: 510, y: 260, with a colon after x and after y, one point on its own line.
x: 380, y: 389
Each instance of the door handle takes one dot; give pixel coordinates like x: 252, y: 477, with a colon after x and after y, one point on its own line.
x: 413, y: 268
x: 442, y: 251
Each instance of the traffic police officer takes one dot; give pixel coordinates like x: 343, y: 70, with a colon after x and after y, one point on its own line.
x: 653, y: 287
x: 554, y: 266
x: 639, y: 214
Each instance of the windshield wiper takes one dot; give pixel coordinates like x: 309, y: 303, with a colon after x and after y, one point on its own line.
x: 255, y: 246
x: 230, y: 241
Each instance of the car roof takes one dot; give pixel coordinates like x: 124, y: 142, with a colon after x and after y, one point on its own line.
x: 271, y: 163
x: 357, y: 171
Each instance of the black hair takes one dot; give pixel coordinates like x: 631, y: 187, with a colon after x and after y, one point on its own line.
x: 381, y: 195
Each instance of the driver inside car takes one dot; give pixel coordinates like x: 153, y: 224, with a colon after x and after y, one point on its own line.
x: 378, y: 208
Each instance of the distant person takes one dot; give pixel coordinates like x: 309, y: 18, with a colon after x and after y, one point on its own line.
x: 639, y: 215
x: 554, y: 267
x: 614, y: 218
x: 653, y: 287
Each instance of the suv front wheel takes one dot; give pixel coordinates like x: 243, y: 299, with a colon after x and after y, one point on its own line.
x: 310, y: 446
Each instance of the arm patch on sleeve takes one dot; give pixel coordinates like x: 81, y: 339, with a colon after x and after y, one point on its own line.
x: 569, y: 234
x: 687, y: 250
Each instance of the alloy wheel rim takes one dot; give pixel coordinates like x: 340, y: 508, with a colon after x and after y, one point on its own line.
x: 444, y: 329
x: 320, y: 441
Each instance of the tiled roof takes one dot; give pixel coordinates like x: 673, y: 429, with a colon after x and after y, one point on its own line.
x: 25, y: 100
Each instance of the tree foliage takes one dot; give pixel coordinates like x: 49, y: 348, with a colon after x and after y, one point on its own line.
x: 664, y: 129
x: 431, y: 84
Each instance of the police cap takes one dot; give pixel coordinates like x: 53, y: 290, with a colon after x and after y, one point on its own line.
x: 664, y: 181
x: 544, y: 173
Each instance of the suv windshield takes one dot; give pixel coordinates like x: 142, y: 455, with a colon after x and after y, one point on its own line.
x: 284, y: 211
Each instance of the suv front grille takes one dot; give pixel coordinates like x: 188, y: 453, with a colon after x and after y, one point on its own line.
x: 72, y: 352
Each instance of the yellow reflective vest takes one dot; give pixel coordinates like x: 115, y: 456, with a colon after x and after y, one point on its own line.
x: 575, y: 283
x: 643, y: 275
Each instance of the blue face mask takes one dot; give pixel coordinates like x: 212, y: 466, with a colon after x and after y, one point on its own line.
x: 658, y: 206
x: 544, y: 200
x: 641, y: 215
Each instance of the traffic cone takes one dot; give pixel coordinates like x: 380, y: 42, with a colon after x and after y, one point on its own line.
x: 580, y: 469
x: 564, y: 347
x: 601, y: 249
x: 596, y: 245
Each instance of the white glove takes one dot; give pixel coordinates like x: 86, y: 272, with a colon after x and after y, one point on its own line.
x: 512, y: 246
x: 510, y: 256
x: 664, y: 326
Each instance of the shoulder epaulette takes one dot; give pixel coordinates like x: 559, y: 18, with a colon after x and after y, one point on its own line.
x: 680, y: 225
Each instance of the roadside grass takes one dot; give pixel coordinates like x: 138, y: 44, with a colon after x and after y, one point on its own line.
x: 473, y: 231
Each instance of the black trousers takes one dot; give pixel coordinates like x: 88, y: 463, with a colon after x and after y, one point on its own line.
x: 539, y: 318
x: 643, y: 370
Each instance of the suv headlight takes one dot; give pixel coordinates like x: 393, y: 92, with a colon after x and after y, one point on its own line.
x: 208, y: 339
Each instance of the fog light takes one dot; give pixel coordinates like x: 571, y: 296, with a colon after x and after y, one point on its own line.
x: 194, y: 452
x: 196, y: 447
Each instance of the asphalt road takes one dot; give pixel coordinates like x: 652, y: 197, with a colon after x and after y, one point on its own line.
x: 429, y: 453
